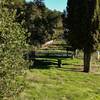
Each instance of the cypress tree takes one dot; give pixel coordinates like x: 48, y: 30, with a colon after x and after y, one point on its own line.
x: 83, y: 22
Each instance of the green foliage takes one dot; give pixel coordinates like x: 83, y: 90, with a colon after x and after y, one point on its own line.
x: 39, y: 3
x: 83, y: 24
x: 12, y: 46
x: 38, y: 20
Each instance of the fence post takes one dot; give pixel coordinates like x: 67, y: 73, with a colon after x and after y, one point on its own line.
x: 59, y: 63
x: 98, y: 55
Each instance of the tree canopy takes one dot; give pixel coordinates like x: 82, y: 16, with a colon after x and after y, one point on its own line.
x: 38, y: 20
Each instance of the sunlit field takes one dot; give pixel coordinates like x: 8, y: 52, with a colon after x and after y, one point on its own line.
x: 47, y: 82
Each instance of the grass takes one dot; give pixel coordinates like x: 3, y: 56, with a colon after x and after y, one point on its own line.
x: 66, y: 83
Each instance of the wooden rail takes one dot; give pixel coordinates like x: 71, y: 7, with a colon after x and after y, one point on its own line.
x: 58, y: 51
x: 51, y: 55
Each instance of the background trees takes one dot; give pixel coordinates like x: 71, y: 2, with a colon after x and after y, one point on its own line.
x: 83, y: 20
x: 38, y: 20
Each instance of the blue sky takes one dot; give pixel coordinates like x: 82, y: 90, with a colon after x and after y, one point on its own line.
x: 55, y: 4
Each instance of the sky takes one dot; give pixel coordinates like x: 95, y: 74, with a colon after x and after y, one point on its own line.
x: 59, y: 5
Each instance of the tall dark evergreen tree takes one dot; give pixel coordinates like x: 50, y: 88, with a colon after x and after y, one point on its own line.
x: 83, y: 20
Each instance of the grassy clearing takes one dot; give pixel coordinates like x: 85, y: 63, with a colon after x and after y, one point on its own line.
x: 66, y: 83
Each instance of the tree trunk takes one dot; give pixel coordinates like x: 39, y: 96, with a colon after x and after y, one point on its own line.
x: 87, y: 61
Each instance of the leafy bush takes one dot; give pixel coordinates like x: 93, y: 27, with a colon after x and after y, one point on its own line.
x: 12, y: 46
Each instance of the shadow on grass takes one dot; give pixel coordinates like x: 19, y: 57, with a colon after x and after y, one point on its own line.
x: 42, y: 64
x: 71, y: 69
x: 47, y: 64
x: 73, y: 64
